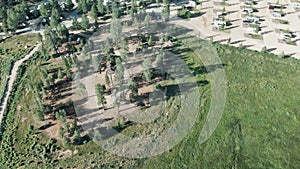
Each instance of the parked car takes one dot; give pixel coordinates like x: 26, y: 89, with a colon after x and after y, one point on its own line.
x: 285, y: 35
x: 277, y: 14
x: 249, y: 3
x: 296, y: 4
x: 251, y: 19
x: 247, y: 10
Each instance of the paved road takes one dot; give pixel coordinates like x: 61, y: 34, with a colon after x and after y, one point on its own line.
x: 12, y: 78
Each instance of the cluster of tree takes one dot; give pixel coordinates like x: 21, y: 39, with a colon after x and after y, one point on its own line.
x: 55, y: 36
x: 13, y: 16
x: 16, y: 14
x: 66, y: 131
x: 84, y: 24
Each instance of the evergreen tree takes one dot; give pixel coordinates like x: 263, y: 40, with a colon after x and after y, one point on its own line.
x: 54, y: 18
x: 12, y: 20
x: 43, y: 11
x: 75, y: 23
x: 4, y: 26
x: 85, y: 23
x: 69, y: 5
x: 100, y: 7
x: 39, y: 37
x: 94, y: 12
x: 107, y: 81
x: 147, y: 72
x: 60, y: 74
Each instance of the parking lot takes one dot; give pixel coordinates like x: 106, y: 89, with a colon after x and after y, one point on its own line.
x: 271, y: 25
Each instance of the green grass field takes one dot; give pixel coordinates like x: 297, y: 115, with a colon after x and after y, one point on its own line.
x: 259, y: 127
x: 13, y: 49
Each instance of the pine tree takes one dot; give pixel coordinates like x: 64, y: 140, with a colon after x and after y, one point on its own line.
x: 107, y: 81
x: 60, y: 74
x: 69, y: 5
x: 43, y: 11
x: 12, y: 20
x: 39, y: 37
x: 54, y: 18
x: 85, y: 23
x: 94, y: 12
x: 75, y: 23
x: 100, y: 7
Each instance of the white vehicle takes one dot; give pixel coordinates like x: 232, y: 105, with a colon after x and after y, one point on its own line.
x: 251, y: 19
x: 276, y: 14
x: 296, y: 4
x: 253, y: 29
x: 247, y: 10
x: 249, y: 3
x: 219, y: 23
x: 286, y: 35
x: 220, y: 14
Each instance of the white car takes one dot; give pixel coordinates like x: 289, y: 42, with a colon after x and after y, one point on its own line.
x: 296, y: 4
x: 247, y: 10
x: 287, y: 35
x: 276, y: 14
x: 219, y: 23
x: 251, y: 19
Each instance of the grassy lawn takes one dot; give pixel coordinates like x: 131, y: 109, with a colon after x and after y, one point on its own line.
x: 14, y: 48
x: 259, y: 127
x: 11, y: 50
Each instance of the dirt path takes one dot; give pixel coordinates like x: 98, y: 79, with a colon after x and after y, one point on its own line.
x: 12, y: 78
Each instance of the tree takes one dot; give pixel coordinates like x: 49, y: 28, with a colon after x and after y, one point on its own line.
x: 159, y: 60
x: 54, y: 18
x: 115, y: 10
x: 94, y: 12
x: 107, y: 81
x: 12, y: 20
x: 100, y: 94
x: 166, y: 12
x: 75, y: 23
x: 133, y: 86
x: 264, y: 49
x: 83, y: 6
x: 39, y: 37
x: 61, y: 132
x: 119, y: 72
x: 76, y: 136
x: 116, y: 30
x: 63, y: 31
x: 65, y: 140
x: 85, y: 23
x: 60, y: 74
x: 147, y: 72
x: 97, y: 136
x: 147, y: 20
x: 100, y: 7
x: 43, y: 10
x: 4, y: 26
x: 69, y: 5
